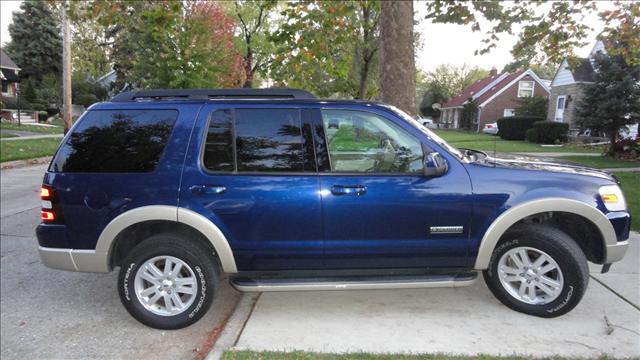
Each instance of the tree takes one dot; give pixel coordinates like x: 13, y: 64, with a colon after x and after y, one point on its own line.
x: 452, y: 80
x: 612, y: 101
x: 253, y: 22
x: 533, y: 106
x: 36, y: 43
x: 547, y: 36
x: 90, y: 44
x: 397, y: 63
x: 546, y: 71
x: 170, y: 44
x: 329, y: 48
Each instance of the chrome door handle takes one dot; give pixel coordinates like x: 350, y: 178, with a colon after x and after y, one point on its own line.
x: 207, y: 189
x: 349, y: 190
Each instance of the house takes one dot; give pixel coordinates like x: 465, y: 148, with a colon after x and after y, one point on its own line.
x: 497, y: 96
x: 567, y: 86
x: 9, y: 75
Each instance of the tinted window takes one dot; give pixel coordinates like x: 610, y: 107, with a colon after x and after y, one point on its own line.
x: 269, y: 140
x: 218, y: 151
x: 116, y: 141
x: 367, y: 143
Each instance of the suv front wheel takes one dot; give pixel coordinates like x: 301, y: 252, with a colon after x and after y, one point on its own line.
x: 538, y: 270
x: 167, y: 281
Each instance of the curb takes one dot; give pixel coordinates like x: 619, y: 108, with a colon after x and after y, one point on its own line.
x: 15, y: 164
x: 232, y: 331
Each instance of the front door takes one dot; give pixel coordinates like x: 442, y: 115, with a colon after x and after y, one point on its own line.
x: 561, y: 104
x: 255, y: 178
x: 378, y: 209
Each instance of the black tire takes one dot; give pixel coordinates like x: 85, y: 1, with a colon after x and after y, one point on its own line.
x: 197, y: 257
x: 566, y: 253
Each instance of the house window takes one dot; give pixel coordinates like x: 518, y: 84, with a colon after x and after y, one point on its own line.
x: 525, y: 89
x: 5, y: 87
x: 509, y: 112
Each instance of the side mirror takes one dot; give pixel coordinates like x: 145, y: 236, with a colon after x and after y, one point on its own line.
x: 434, y: 165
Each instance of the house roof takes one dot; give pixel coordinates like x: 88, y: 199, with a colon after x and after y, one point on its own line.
x: 471, y: 90
x: 484, y: 90
x: 6, y: 62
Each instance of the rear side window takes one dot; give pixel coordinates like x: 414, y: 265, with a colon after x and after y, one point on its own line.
x: 258, y: 140
x: 116, y: 141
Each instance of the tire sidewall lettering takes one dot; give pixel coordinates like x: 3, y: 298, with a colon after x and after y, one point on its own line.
x: 125, y: 283
x: 203, y: 292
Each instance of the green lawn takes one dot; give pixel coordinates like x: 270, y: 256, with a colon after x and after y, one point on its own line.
x: 630, y: 182
x: 27, y: 149
x: 484, y: 142
x: 601, y: 162
x: 32, y: 128
x: 299, y: 355
x: 2, y: 135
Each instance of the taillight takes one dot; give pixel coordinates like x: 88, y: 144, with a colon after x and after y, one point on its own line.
x: 50, y: 213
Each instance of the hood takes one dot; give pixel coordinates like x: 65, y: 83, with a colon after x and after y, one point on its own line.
x: 524, y: 162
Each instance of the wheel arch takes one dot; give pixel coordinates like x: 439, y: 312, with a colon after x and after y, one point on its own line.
x: 521, y: 211
x: 162, y: 213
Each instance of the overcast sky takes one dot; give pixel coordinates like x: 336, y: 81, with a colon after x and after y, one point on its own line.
x: 441, y: 43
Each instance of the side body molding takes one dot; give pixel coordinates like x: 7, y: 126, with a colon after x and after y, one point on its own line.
x: 520, y: 211
x: 98, y: 261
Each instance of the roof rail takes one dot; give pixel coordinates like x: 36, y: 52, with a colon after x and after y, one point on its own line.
x: 206, y: 94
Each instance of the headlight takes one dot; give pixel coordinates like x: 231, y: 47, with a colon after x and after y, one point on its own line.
x: 612, y: 197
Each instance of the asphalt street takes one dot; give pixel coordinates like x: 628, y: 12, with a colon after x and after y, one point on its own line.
x: 51, y: 314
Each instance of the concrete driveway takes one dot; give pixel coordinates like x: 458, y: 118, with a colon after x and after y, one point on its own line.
x: 50, y: 314
x: 465, y: 321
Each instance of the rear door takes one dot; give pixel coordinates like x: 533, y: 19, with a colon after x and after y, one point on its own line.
x: 251, y: 170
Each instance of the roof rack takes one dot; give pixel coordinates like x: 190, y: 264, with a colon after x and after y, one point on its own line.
x: 206, y: 94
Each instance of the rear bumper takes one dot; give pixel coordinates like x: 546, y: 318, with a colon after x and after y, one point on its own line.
x: 73, y: 260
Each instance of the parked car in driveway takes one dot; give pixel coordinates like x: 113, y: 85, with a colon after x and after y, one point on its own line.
x: 491, y: 128
x: 427, y: 122
x: 286, y: 192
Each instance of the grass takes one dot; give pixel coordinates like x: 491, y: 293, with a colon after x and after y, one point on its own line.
x: 32, y: 128
x: 27, y: 149
x: 300, y: 355
x: 485, y: 142
x: 2, y: 135
x: 630, y: 182
x: 601, y: 162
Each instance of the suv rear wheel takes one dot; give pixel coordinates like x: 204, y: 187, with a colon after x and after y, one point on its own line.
x: 167, y: 281
x: 538, y: 270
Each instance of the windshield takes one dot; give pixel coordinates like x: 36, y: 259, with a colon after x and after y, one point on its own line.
x: 433, y: 136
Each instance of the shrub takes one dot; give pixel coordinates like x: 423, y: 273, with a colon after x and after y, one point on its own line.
x: 547, y: 132
x: 515, y: 127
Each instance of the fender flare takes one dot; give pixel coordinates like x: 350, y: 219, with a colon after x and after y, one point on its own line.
x: 211, y: 232
x: 521, y: 211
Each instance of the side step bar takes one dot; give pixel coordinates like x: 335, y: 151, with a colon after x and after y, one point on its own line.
x: 246, y: 284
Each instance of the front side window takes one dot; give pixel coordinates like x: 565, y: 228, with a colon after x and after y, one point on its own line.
x: 116, y: 141
x: 525, y: 89
x: 257, y: 140
x: 364, y: 142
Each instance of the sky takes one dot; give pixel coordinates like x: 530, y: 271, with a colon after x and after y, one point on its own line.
x: 441, y: 43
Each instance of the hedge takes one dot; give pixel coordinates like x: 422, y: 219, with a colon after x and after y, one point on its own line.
x: 515, y: 127
x: 547, y: 132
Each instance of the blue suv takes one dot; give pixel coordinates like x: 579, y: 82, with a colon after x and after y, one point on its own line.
x: 284, y: 192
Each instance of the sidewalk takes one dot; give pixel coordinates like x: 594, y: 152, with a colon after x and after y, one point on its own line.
x: 466, y: 321
x: 31, y: 137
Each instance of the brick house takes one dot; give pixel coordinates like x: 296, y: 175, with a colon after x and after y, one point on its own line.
x: 9, y: 76
x: 496, y: 95
x: 567, y: 87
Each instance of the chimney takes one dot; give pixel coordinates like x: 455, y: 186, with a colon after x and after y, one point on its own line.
x: 493, y: 72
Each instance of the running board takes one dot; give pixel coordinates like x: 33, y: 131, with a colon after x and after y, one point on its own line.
x: 246, y: 284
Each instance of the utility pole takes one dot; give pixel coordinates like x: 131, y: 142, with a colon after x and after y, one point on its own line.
x: 66, y: 69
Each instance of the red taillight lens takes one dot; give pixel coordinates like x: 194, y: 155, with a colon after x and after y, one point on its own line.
x: 47, y: 216
x: 51, y: 212
x: 45, y: 193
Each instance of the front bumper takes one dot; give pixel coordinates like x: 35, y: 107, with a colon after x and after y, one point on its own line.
x: 73, y: 260
x: 616, y: 251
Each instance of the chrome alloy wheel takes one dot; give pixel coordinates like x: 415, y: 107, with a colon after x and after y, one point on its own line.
x: 530, y: 275
x: 165, y: 285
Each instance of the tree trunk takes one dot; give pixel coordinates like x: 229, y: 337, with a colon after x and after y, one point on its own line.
x: 397, y: 64
x: 364, y: 78
x: 248, y: 68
